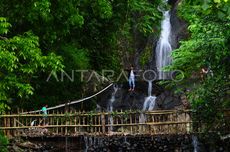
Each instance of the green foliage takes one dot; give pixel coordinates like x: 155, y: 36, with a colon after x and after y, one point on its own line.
x: 207, y: 47
x: 3, y: 142
x: 4, y: 25
x: 145, y: 56
x: 103, y: 8
x: 87, y: 34
x: 4, y: 107
x: 74, y: 57
x: 146, y: 15
x: 20, y: 60
x: 40, y: 9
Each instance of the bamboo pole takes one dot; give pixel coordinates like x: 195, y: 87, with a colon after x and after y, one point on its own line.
x: 155, y: 123
x: 66, y: 123
x: 70, y: 120
x: 168, y: 126
x: 143, y: 126
x: 131, y: 122
x: 103, y: 122
x: 99, y: 123
x: 75, y: 121
x: 6, y: 131
x: 95, y: 122
x: 14, y: 133
x: 177, y: 129
x: 110, y: 124
x: 51, y: 122
x: 16, y: 124
x: 86, y: 114
x: 135, y: 121
x: 10, y: 124
x: 117, y: 121
x: 30, y: 120
x: 21, y: 122
x: 26, y: 120
x: 61, y: 122
x: 78, y: 121
x: 83, y: 123
x: 57, y: 122
x: 122, y: 122
x: 152, y: 127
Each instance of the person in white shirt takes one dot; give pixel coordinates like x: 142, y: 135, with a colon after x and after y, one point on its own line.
x: 131, y: 79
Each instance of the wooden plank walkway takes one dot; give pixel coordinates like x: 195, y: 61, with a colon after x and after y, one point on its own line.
x: 99, y: 123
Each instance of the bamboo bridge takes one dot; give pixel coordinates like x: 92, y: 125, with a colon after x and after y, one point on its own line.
x: 75, y: 123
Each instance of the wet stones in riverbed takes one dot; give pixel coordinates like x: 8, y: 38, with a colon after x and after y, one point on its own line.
x: 116, y: 143
x: 148, y: 143
x: 143, y: 143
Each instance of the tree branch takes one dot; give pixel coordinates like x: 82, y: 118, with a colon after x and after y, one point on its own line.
x: 2, y: 37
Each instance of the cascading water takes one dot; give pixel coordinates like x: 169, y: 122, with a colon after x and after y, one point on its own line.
x: 91, y: 141
x: 163, y: 47
x: 98, y: 108
x: 195, y: 144
x: 149, y: 102
x: 88, y: 142
x: 125, y: 141
x: 110, y: 105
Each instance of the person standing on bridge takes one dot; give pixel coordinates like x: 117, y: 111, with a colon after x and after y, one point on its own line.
x: 131, y: 78
x: 44, y: 111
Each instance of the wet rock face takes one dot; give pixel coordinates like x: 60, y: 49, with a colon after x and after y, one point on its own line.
x: 134, y: 100
x: 139, y: 45
x: 179, y: 26
x: 148, y: 143
x: 119, y: 143
x: 140, y: 42
x: 167, y: 100
x: 151, y: 43
x: 125, y: 99
x: 141, y: 143
x: 46, y: 144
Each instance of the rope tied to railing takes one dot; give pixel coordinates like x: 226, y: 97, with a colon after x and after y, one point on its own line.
x: 72, y: 102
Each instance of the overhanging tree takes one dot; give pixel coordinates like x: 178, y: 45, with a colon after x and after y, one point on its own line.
x: 21, y: 60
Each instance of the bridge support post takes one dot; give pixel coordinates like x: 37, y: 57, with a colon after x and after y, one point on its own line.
x: 103, y: 122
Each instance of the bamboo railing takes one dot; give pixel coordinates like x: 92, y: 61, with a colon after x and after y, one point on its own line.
x: 118, y: 122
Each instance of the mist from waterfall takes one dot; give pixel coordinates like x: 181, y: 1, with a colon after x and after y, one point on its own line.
x: 163, y: 47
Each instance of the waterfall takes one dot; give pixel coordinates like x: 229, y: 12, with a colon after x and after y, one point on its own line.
x: 88, y: 142
x: 149, y: 103
x: 163, y: 47
x: 110, y: 105
x: 98, y: 108
x: 66, y: 143
x: 150, y: 88
x: 195, y: 144
x: 125, y: 141
x: 150, y: 100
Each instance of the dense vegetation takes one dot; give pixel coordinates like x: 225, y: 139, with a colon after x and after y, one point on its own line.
x: 207, y: 47
x: 40, y: 36
x: 21, y: 60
